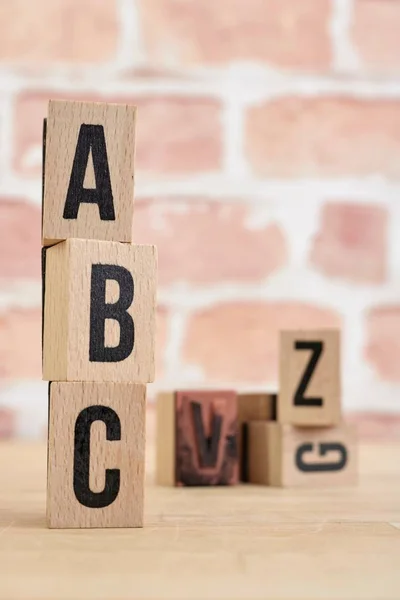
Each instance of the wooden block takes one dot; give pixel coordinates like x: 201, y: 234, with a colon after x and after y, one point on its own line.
x: 258, y: 451
x: 166, y: 439
x: 197, y: 438
x: 252, y: 407
x: 99, y: 312
x: 96, y: 455
x: 89, y: 171
x: 289, y: 456
x: 309, y: 376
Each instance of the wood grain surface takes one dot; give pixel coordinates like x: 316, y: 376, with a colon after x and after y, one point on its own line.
x: 235, y: 542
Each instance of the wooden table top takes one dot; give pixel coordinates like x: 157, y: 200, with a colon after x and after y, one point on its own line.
x: 243, y: 542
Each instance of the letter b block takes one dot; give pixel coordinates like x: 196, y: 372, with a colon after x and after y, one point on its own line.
x: 309, y: 377
x: 96, y: 455
x: 197, y: 438
x: 99, y: 312
x: 89, y: 171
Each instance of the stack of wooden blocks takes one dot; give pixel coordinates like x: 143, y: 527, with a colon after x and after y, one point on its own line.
x: 99, y: 296
x: 294, y: 438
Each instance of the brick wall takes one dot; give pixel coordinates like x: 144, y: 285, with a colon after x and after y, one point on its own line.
x: 268, y: 174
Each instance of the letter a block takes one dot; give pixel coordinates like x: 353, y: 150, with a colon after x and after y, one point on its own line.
x: 89, y: 172
x: 288, y: 456
x: 197, y: 438
x: 96, y: 455
x: 309, y: 376
x: 99, y: 312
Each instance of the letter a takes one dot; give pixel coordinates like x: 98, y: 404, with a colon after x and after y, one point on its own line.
x: 91, y: 139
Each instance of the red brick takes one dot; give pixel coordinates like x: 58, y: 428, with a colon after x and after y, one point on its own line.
x: 375, y: 33
x: 312, y: 137
x: 19, y: 239
x: 8, y: 423
x: 43, y: 32
x: 351, y: 242
x: 205, y: 241
x: 205, y: 32
x: 174, y: 134
x: 179, y: 135
x: 383, y: 341
x: 376, y: 426
x: 20, y: 344
x: 238, y: 342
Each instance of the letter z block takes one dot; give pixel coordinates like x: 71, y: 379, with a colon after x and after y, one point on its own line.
x: 99, y: 312
x: 197, y: 438
x: 309, y: 378
x: 288, y: 456
x: 96, y: 456
x: 88, y: 171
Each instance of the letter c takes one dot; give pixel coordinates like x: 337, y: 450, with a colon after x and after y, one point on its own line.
x: 83, y: 425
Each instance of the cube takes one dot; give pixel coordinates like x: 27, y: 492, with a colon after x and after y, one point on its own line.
x: 96, y: 455
x: 99, y: 312
x: 197, y: 438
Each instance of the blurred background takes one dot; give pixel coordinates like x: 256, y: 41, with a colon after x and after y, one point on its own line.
x: 268, y: 175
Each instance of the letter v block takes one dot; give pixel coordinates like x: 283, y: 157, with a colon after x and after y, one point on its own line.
x: 309, y: 377
x: 96, y: 455
x: 197, y: 438
x: 89, y: 172
x: 99, y: 312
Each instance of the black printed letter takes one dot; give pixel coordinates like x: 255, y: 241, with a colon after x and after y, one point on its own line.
x: 91, y: 138
x: 83, y: 425
x: 323, y: 450
x: 317, y: 349
x: 100, y: 311
x: 207, y: 446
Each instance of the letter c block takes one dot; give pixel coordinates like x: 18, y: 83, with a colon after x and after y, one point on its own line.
x: 99, y: 312
x: 96, y: 455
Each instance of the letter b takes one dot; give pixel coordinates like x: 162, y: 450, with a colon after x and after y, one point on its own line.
x: 100, y: 311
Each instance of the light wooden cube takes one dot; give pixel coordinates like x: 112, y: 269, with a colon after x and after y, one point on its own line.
x: 88, y: 171
x: 99, y: 312
x: 309, y: 377
x: 197, y: 438
x: 289, y: 456
x: 96, y: 455
x: 252, y: 407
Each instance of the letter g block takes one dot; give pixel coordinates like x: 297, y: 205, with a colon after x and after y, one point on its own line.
x: 99, y: 312
x: 290, y: 456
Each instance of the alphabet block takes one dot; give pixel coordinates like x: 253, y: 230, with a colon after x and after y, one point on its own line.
x: 96, y: 455
x: 197, y: 438
x: 252, y: 407
x: 89, y: 172
x: 289, y: 456
x: 99, y: 312
x: 309, y: 391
